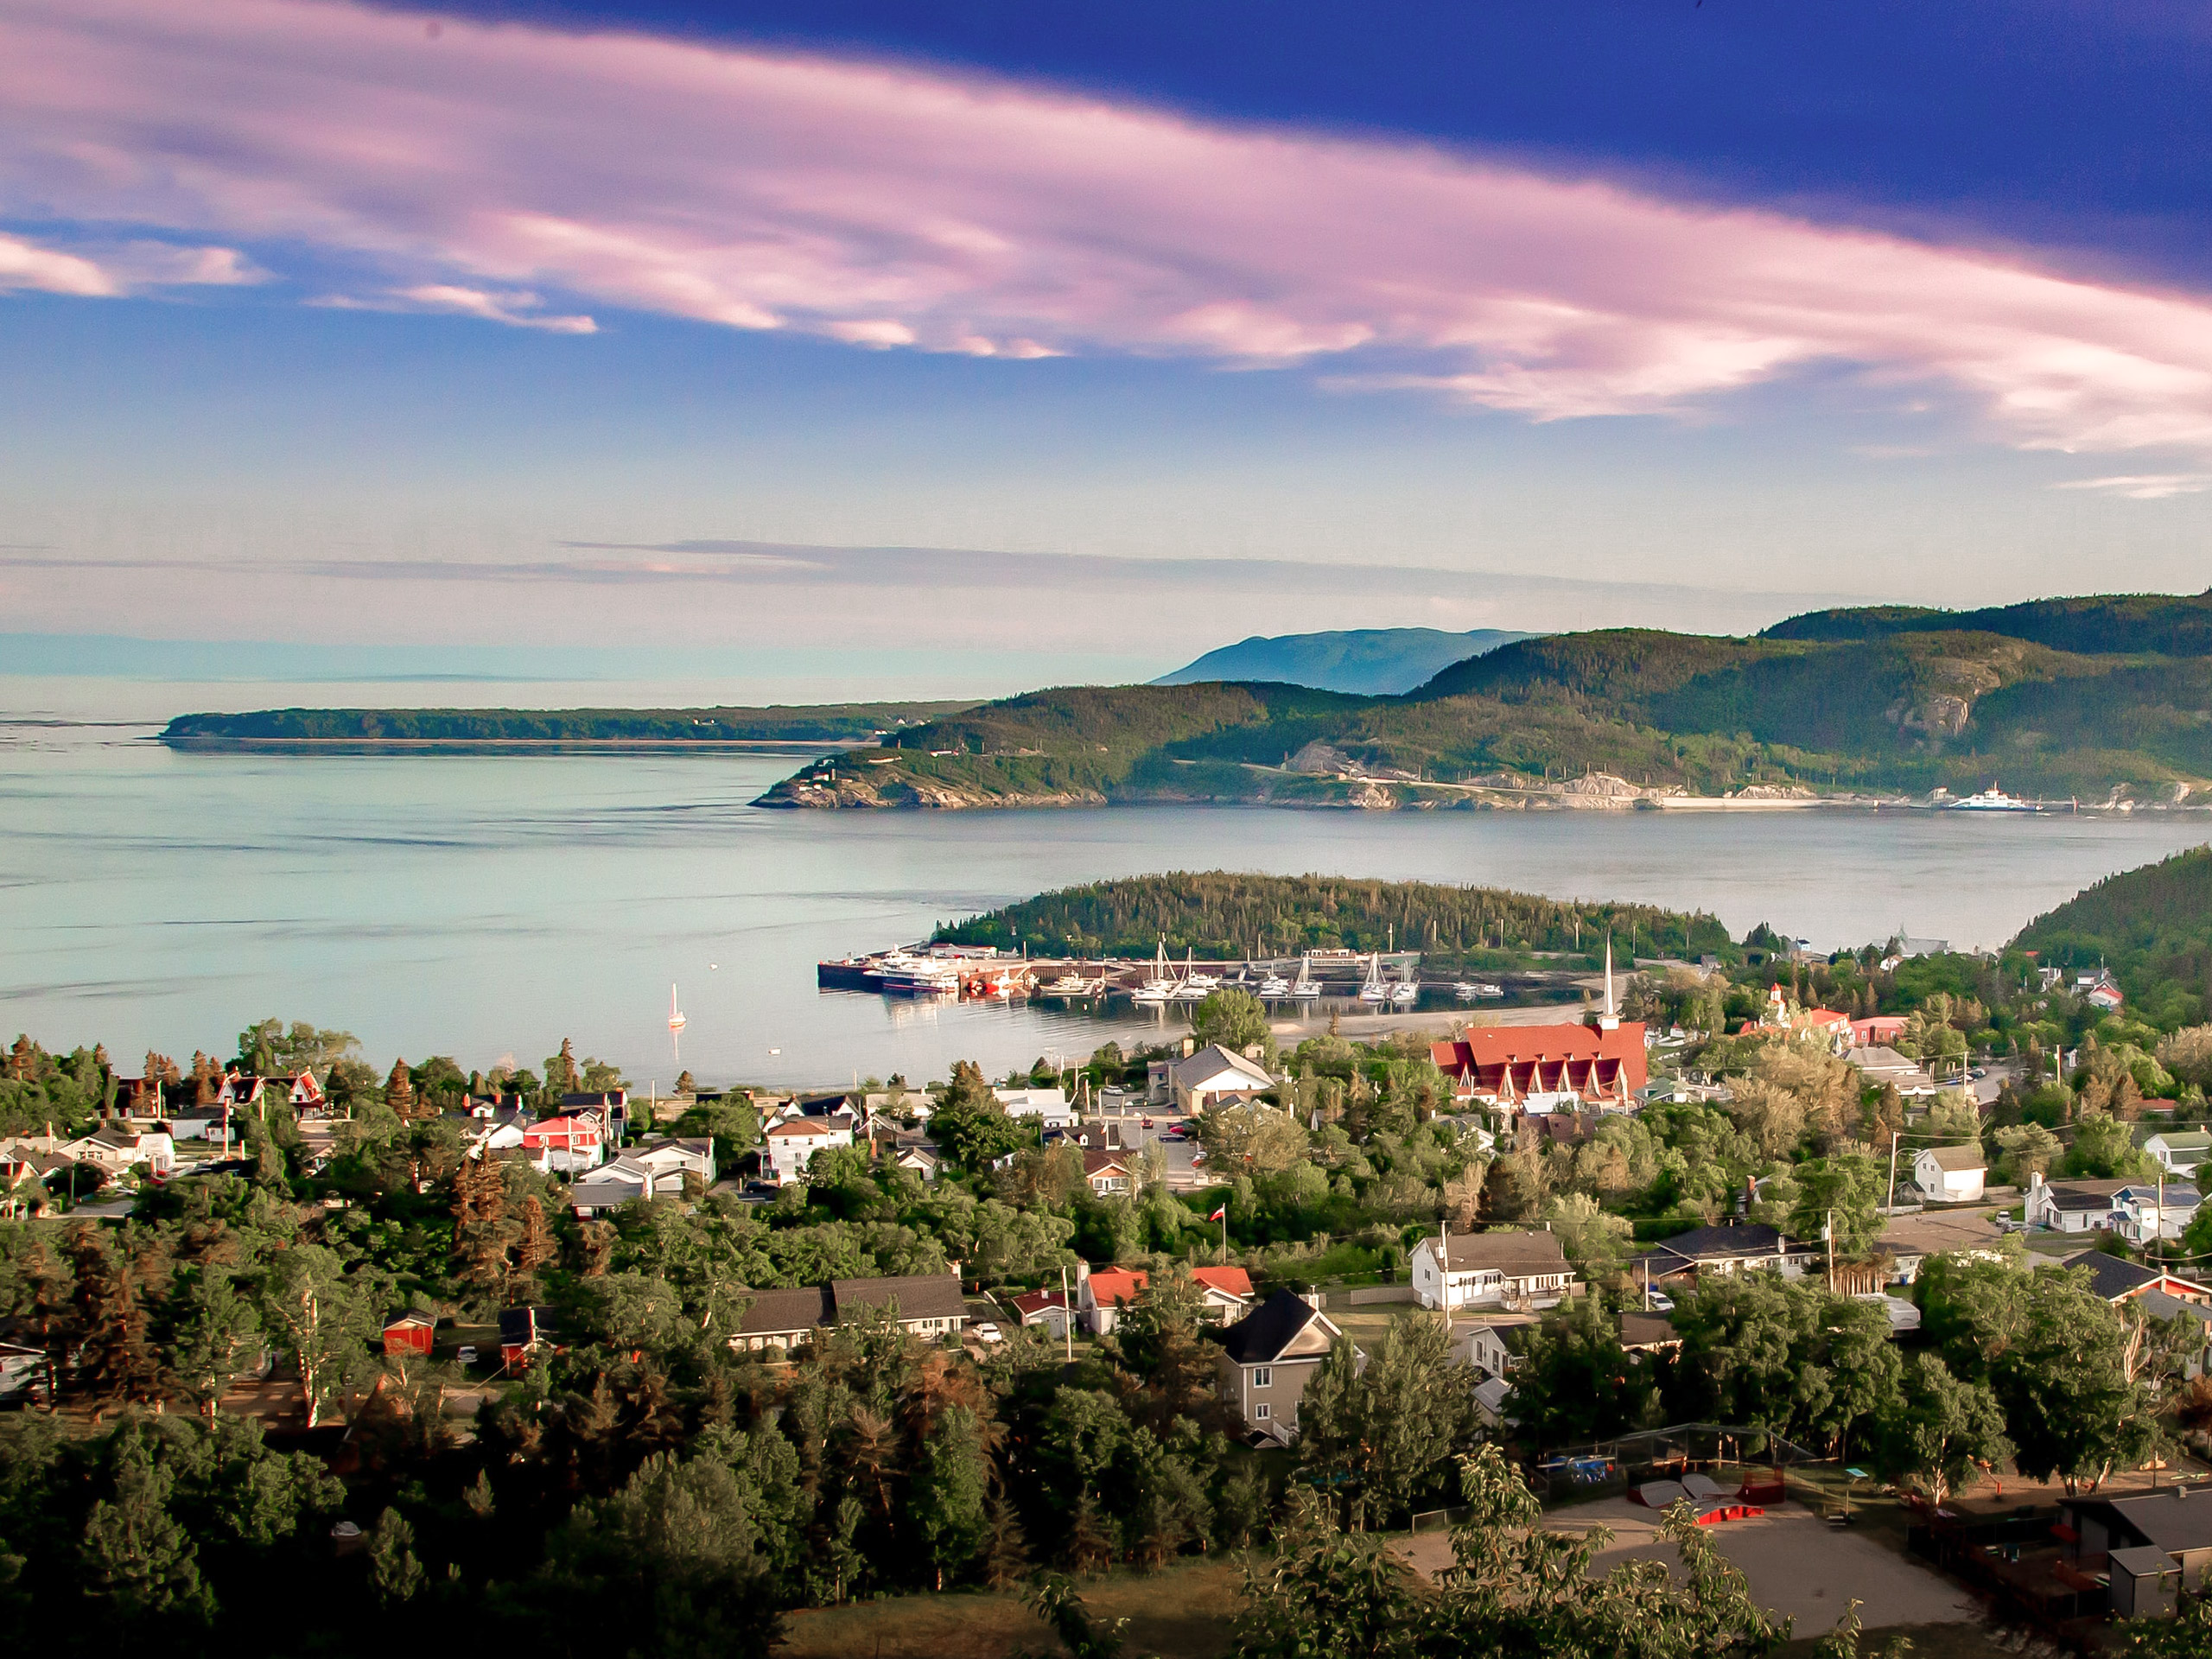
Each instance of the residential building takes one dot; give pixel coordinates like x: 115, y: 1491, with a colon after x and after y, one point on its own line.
x: 1224, y: 1293
x: 610, y: 1106
x: 1520, y: 1269
x: 788, y: 1144
x: 921, y: 1158
x: 668, y: 1155
x: 2118, y: 1280
x: 1950, y: 1174
x: 2179, y: 1151
x: 1908, y: 1240
x: 412, y: 1332
x: 2137, y: 1211
x: 1048, y: 1105
x: 116, y: 1149
x: 2148, y: 1547
x: 1539, y: 1068
x: 1491, y: 1345
x: 1102, y: 1293
x: 566, y: 1145
x: 1048, y: 1308
x: 924, y: 1304
x: 1647, y: 1333
x: 522, y: 1332
x: 1108, y: 1173
x: 1215, y: 1075
x: 1877, y: 1031
x: 1747, y: 1247
x: 1267, y: 1358
x: 1880, y: 1066
x: 21, y: 1369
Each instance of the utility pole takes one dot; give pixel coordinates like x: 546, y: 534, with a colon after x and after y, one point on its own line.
x: 1828, y: 1233
x: 1892, y: 1205
x: 1067, y: 1316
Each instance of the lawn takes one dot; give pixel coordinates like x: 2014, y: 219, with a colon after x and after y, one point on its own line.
x: 1184, y: 1612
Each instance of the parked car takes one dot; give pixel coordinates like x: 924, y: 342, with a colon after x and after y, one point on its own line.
x: 988, y: 1333
x: 467, y: 1353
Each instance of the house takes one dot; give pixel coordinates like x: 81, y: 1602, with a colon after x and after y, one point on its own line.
x: 922, y: 1157
x: 1877, y: 1031
x: 1213, y: 1075
x: 1502, y: 1269
x: 410, y: 1333
x: 300, y: 1091
x: 1824, y: 1023
x: 924, y: 1304
x: 116, y: 1149
x: 522, y: 1332
x: 1102, y: 1293
x: 2137, y: 1211
x: 2118, y: 1280
x: 2179, y: 1151
x: 1880, y: 1066
x: 1908, y: 1240
x: 1540, y: 1069
x: 2149, y: 1546
x: 1048, y: 1308
x: 1224, y: 1293
x: 1647, y: 1333
x: 1492, y: 1399
x: 610, y: 1106
x: 665, y: 1168
x: 566, y: 1144
x: 1704, y: 1250
x: 790, y: 1144
x: 1950, y: 1174
x: 1107, y: 1173
x: 1267, y: 1358
x: 2157, y: 1305
x: 2100, y: 990
x: 669, y: 1157
x: 1491, y: 1346
x: 1048, y: 1105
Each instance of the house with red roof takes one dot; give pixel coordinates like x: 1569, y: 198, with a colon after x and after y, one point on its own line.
x: 1046, y: 1307
x: 1102, y: 1293
x: 1540, y: 1069
x: 1226, y: 1292
x: 565, y: 1144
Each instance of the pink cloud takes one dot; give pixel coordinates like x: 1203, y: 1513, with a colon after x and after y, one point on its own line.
x: 892, y: 207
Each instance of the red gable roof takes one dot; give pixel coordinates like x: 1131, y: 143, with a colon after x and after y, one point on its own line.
x: 1112, y: 1285
x: 1235, y: 1280
x: 1514, y: 1060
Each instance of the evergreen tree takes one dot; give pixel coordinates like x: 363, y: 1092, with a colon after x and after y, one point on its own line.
x: 399, y: 1091
x: 395, y: 1575
x: 137, y: 1561
x: 945, y: 1494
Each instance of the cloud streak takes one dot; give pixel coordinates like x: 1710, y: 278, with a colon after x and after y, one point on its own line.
x: 892, y: 208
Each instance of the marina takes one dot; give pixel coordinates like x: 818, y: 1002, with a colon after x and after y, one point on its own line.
x: 973, y: 973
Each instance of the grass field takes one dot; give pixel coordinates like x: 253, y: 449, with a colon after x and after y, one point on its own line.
x: 1184, y: 1612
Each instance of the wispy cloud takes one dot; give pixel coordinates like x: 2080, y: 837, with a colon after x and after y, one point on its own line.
x: 2143, y: 486
x: 893, y: 207
x: 518, y: 307
x: 105, y: 271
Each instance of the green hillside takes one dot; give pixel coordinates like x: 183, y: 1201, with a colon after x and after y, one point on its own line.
x: 285, y: 728
x: 1221, y: 914
x: 2152, y: 926
x: 2166, y: 624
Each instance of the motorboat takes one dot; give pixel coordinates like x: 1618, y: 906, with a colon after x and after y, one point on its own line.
x: 1193, y: 980
x: 1487, y: 989
x: 1068, y: 985
x: 1274, y: 986
x: 903, y: 974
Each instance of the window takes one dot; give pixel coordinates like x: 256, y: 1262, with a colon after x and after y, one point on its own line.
x: 1262, y: 1413
x: 1262, y: 1376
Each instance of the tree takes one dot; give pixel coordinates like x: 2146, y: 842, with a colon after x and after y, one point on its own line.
x: 395, y: 1575
x: 971, y: 1124
x: 2105, y: 1149
x: 1236, y: 1019
x: 137, y: 1560
x: 308, y: 1302
x: 1938, y: 1430
x: 399, y: 1093
x: 1384, y: 1434
x: 1575, y: 1383
x: 213, y: 1331
x: 116, y: 1359
x: 1848, y: 1190
x: 2026, y: 1150
x: 1593, y: 1240
x: 536, y: 1245
x: 945, y: 1493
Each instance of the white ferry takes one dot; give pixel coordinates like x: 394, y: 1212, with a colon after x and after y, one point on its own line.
x: 1991, y: 799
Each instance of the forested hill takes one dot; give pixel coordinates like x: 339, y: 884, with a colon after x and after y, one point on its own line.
x: 1886, y: 702
x: 361, y: 727
x: 1371, y: 662
x: 1221, y: 915
x: 2152, y: 926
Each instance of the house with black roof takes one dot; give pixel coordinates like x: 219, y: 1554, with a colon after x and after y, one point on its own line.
x: 926, y: 1305
x: 1267, y: 1358
x: 2149, y: 1546
x: 1746, y: 1247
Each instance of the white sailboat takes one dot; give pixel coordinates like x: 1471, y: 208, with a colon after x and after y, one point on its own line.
x: 675, y: 1022
x: 1406, y: 990
x: 1194, y: 986
x: 1307, y: 986
x: 1161, y: 985
x: 1373, y: 990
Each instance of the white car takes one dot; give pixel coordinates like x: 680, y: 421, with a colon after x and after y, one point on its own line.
x: 988, y: 1333
x: 467, y: 1353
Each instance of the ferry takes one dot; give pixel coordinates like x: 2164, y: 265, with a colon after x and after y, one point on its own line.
x: 900, y: 974
x: 1991, y: 799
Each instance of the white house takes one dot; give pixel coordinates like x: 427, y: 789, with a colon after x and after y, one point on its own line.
x: 1488, y: 1345
x: 789, y: 1145
x: 668, y: 1156
x: 1213, y: 1074
x: 2180, y: 1151
x: 1049, y: 1105
x: 116, y: 1149
x: 1491, y: 1270
x: 566, y: 1144
x: 2137, y: 1211
x: 1951, y: 1175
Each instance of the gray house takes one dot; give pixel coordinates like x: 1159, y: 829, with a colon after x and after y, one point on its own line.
x: 1267, y: 1358
x: 2150, y: 1546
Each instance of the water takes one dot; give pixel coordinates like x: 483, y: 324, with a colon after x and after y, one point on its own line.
x: 487, y: 906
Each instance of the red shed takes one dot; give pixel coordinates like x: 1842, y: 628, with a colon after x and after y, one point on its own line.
x: 410, y: 1333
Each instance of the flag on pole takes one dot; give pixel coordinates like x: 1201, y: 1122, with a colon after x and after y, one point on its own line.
x: 1221, y: 1214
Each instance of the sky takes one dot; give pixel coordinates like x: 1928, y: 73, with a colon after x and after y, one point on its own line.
x: 1007, y: 339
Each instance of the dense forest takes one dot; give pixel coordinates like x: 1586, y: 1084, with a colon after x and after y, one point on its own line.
x: 1229, y: 916
x: 805, y: 723
x: 2152, y: 927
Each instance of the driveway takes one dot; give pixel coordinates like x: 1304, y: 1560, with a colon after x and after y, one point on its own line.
x: 1796, y: 1566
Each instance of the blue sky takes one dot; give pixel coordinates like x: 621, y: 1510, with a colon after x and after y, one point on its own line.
x: 1145, y: 327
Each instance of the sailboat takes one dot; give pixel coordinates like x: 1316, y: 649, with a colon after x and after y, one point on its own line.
x: 1406, y: 990
x: 1306, y: 985
x: 1194, y: 985
x: 1161, y: 985
x: 1373, y: 990
x: 676, y: 1021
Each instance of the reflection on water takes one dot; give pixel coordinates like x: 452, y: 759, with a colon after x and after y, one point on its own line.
x: 490, y: 906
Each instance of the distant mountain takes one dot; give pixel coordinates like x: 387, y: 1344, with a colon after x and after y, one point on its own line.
x: 1368, y: 662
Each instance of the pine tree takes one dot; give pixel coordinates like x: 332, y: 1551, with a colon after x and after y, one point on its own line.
x: 22, y: 1059
x: 395, y: 1575
x: 1006, y: 1548
x: 118, y: 1360
x: 536, y: 1247
x: 136, y: 1559
x: 1090, y: 1542
x: 399, y: 1093
x: 207, y: 1081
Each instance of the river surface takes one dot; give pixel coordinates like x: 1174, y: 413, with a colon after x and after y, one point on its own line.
x: 487, y: 906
